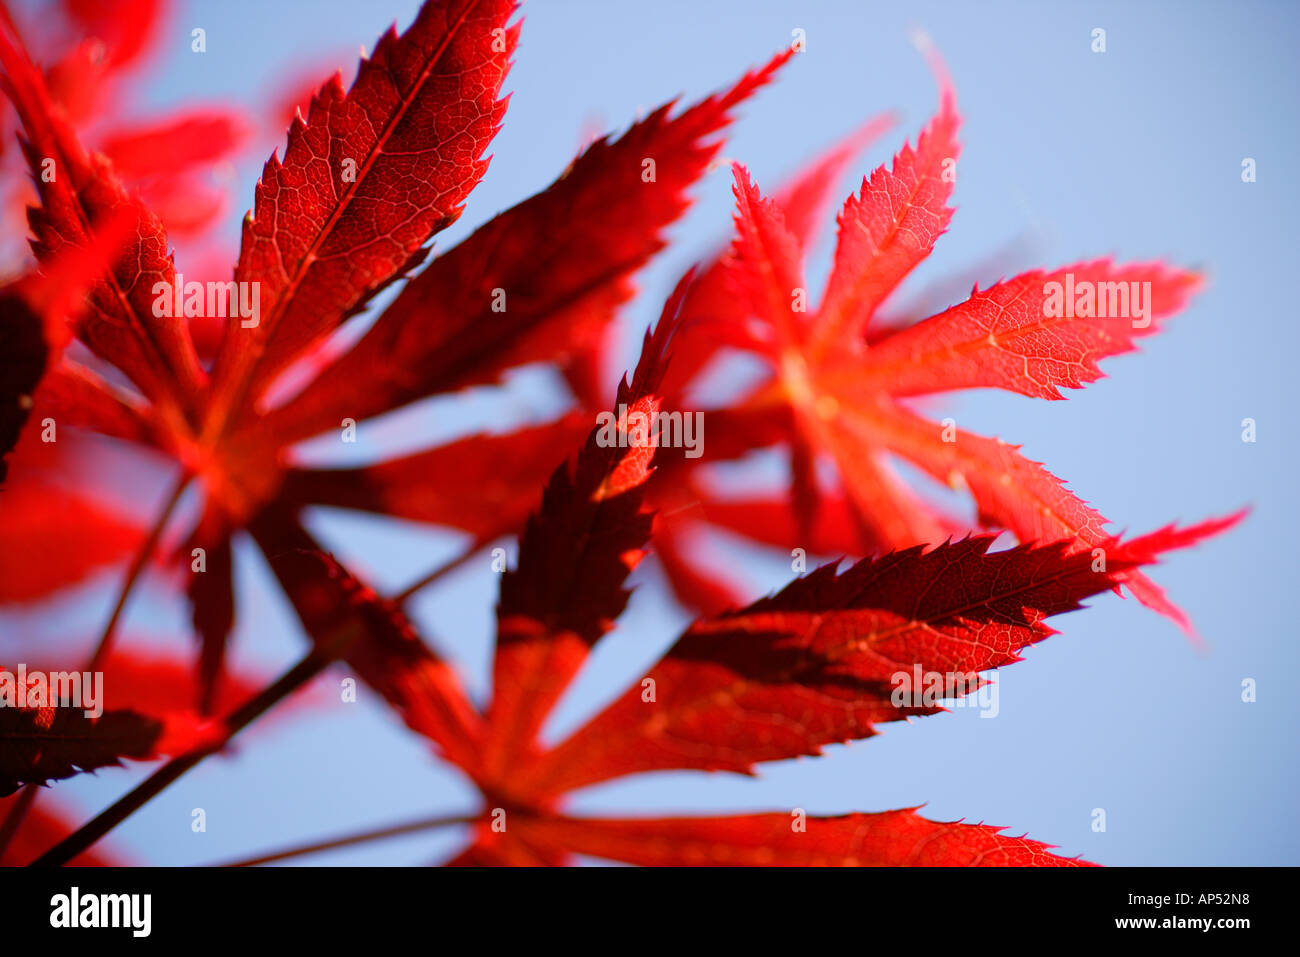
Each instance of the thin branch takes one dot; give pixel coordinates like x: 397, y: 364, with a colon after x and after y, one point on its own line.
x: 308, y: 668
x: 361, y: 837
x: 474, y: 547
x: 133, y: 574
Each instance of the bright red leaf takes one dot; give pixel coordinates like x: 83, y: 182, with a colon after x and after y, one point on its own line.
x: 365, y: 181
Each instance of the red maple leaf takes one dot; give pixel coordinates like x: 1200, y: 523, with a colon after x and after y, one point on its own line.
x: 838, y: 391
x: 369, y: 175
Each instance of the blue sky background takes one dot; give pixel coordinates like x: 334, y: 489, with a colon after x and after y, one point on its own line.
x: 1067, y: 155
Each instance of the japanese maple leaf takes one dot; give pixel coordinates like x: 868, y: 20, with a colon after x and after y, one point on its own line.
x: 837, y: 392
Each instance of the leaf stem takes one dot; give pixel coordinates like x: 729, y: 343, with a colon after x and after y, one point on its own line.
x: 360, y: 837
x: 307, y: 668
x: 133, y: 574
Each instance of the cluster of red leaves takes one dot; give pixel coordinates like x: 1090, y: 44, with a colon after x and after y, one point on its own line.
x: 748, y: 682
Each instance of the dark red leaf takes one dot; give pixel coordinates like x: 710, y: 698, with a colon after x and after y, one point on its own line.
x: 574, y: 556
x: 820, y: 662
x: 49, y: 743
x: 23, y: 355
